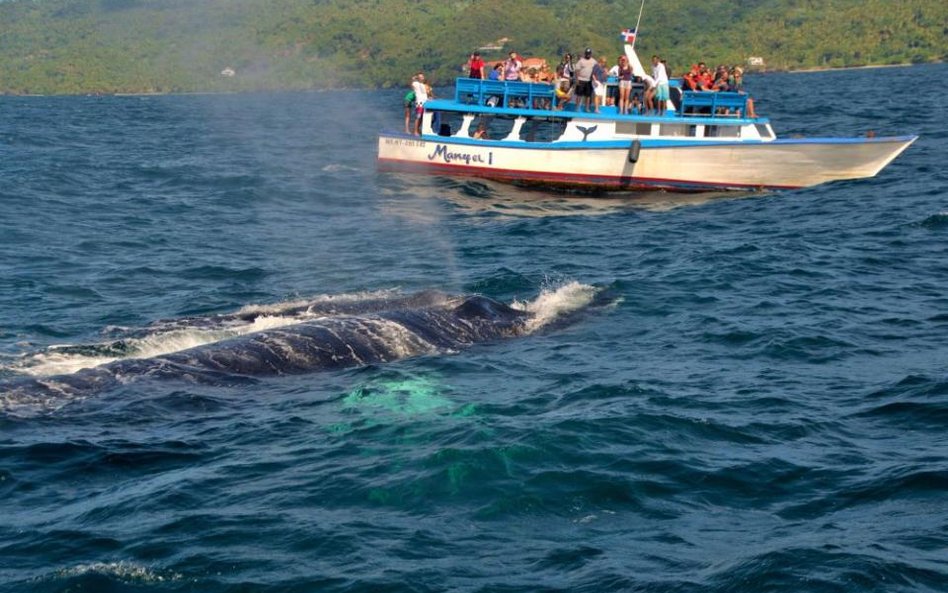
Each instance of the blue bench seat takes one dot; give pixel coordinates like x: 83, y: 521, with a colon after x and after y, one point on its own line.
x: 497, y: 93
x: 708, y: 103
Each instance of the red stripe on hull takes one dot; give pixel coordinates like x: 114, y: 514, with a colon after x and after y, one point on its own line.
x: 566, y: 180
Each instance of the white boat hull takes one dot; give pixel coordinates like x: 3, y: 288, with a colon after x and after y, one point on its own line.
x: 679, y: 166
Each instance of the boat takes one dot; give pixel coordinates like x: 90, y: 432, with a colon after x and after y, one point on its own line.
x: 526, y: 134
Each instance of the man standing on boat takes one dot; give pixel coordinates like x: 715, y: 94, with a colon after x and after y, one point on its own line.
x: 584, y: 79
x: 660, y: 75
x: 421, y: 97
x: 475, y: 66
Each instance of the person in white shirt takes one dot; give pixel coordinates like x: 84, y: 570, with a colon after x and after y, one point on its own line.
x: 421, y: 96
x: 661, y: 84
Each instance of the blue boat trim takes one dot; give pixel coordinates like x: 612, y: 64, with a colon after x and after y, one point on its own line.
x: 607, y: 113
x: 645, y: 142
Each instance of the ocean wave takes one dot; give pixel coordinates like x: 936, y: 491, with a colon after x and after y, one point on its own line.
x: 936, y: 221
x: 121, y: 572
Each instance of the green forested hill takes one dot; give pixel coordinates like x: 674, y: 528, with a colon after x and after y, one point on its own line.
x: 83, y: 46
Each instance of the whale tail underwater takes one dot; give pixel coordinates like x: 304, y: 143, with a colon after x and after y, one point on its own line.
x: 291, y: 338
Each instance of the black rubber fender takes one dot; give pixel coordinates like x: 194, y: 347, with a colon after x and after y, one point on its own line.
x: 634, y: 151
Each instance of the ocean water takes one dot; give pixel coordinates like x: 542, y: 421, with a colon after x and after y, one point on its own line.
x: 758, y: 400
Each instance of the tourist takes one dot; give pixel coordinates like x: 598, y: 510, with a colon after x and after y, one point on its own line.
x: 705, y: 80
x: 409, y: 105
x: 635, y: 106
x: 689, y: 81
x: 421, y: 89
x: 584, y: 80
x: 475, y: 66
x: 738, y: 87
x: 720, y: 80
x: 660, y: 76
x: 497, y: 72
x: 512, y: 67
x: 564, y: 93
x: 624, y: 74
x: 600, y: 78
x: 612, y: 90
x: 566, y: 71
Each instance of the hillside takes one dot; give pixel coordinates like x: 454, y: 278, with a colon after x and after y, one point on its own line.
x: 107, y: 46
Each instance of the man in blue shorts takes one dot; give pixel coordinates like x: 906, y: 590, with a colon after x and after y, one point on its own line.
x: 660, y: 75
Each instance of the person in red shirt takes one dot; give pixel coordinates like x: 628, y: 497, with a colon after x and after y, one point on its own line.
x: 475, y: 66
x: 705, y: 79
x: 690, y: 79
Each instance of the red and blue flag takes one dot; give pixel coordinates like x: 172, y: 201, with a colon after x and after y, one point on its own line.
x: 627, y: 35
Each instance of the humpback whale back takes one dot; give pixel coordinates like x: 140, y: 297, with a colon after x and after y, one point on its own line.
x: 321, y: 336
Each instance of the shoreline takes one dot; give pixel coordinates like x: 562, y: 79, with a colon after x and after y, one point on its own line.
x: 840, y: 68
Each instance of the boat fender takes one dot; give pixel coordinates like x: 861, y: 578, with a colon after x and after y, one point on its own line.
x: 634, y: 151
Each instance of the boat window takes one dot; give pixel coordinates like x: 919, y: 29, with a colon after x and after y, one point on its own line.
x: 722, y: 131
x: 543, y: 129
x: 764, y: 131
x: 491, y: 127
x: 445, y: 123
x: 638, y: 129
x: 674, y: 130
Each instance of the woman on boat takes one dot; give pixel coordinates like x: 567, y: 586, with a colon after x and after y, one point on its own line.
x: 737, y: 86
x: 512, y: 67
x: 565, y: 70
x: 625, y: 84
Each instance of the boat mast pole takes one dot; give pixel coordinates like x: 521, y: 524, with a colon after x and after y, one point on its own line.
x: 637, y: 23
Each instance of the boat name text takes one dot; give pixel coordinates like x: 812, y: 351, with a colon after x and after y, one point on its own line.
x: 441, y: 151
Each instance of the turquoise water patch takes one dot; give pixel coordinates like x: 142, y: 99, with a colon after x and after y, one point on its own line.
x: 384, y: 401
x: 420, y: 396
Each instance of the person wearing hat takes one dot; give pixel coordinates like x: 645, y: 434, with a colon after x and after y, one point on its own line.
x: 475, y: 66
x: 585, y: 75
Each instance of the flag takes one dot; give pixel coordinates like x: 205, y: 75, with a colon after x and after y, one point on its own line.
x: 627, y: 35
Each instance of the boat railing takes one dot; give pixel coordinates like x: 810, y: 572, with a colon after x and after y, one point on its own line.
x: 499, y: 93
x: 544, y: 96
x: 713, y: 104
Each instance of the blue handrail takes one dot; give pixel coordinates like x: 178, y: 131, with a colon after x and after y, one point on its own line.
x: 501, y: 93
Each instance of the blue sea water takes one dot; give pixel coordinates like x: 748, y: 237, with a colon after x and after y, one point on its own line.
x: 761, y: 406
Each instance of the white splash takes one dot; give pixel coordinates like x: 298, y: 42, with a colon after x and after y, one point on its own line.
x: 553, y: 303
x: 339, y: 168
x: 123, y: 571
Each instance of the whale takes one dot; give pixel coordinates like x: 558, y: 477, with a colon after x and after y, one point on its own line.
x: 336, y: 336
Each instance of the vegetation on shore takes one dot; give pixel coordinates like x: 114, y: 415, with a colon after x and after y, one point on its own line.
x: 141, y: 46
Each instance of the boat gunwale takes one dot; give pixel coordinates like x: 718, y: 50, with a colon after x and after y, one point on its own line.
x: 646, y: 142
